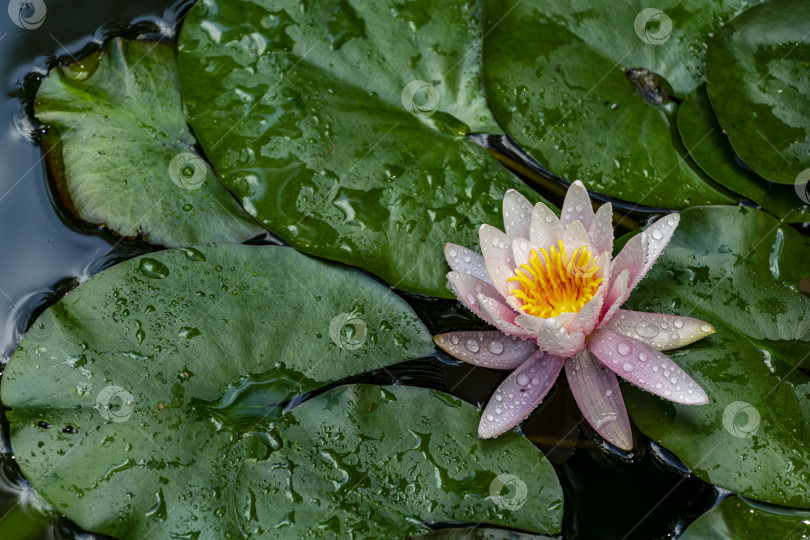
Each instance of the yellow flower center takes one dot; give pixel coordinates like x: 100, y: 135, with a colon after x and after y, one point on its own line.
x: 556, y: 284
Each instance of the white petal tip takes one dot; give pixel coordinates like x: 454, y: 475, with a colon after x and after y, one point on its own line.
x: 486, y: 433
x: 623, y: 445
x: 578, y: 183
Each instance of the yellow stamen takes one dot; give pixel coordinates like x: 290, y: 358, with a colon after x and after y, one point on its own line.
x: 557, y: 283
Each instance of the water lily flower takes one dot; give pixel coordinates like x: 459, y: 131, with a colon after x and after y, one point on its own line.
x: 551, y: 289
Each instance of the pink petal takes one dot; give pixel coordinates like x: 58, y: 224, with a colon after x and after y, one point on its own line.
x: 521, y: 249
x: 467, y: 287
x: 545, y: 226
x: 466, y: 261
x: 660, y: 331
x: 517, y: 214
x: 551, y: 335
x: 631, y: 260
x: 658, y: 236
x: 645, y: 367
x: 496, y: 245
x: 519, y: 394
x: 620, y: 291
x: 596, y: 391
x: 499, y: 275
x: 490, y: 349
x: 575, y: 236
x: 501, y: 317
x: 601, y: 230
x: 588, y: 316
x: 577, y: 205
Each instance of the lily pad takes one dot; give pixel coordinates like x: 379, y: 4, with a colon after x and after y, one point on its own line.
x: 478, y: 533
x: 376, y: 462
x: 740, y: 519
x: 758, y: 82
x: 138, y: 396
x: 558, y: 78
x: 738, y: 269
x: 342, y: 127
x: 122, y: 156
x: 711, y: 150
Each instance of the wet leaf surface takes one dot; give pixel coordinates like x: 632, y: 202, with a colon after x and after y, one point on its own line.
x: 374, y: 462
x: 135, y: 399
x: 711, y: 150
x: 588, y: 93
x: 739, y: 270
x: 758, y: 83
x: 122, y: 155
x: 342, y: 127
x: 741, y: 519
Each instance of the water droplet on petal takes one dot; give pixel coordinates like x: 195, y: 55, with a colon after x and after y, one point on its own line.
x: 471, y: 345
x: 628, y: 367
x: 452, y: 253
x: 523, y: 379
x: 706, y: 328
x: 495, y: 347
x: 642, y: 356
x: 657, y: 234
x: 623, y: 349
x: 678, y: 323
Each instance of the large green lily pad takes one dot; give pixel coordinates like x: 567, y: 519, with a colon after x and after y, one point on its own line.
x: 746, y: 520
x: 342, y: 126
x: 739, y: 270
x: 122, y: 156
x: 555, y: 79
x: 135, y: 399
x: 759, y: 85
x: 711, y: 150
x: 375, y: 462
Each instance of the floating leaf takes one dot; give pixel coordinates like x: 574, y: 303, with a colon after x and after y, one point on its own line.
x: 342, y: 127
x: 586, y: 92
x: 738, y: 269
x: 478, y: 533
x: 376, y: 462
x: 122, y: 156
x: 758, y: 82
x: 140, y: 394
x: 712, y: 152
x: 747, y: 520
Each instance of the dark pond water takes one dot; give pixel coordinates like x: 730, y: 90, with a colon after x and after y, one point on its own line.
x: 45, y: 253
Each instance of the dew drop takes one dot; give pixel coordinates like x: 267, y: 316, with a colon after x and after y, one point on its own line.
x: 706, y: 329
x: 657, y: 234
x: 495, y: 347
x: 678, y: 323
x: 623, y: 348
x: 523, y: 379
x: 628, y: 367
x: 472, y: 345
x: 452, y: 253
x: 642, y: 356
x: 490, y: 417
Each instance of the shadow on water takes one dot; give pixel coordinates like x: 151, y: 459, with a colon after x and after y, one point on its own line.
x: 46, y: 253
